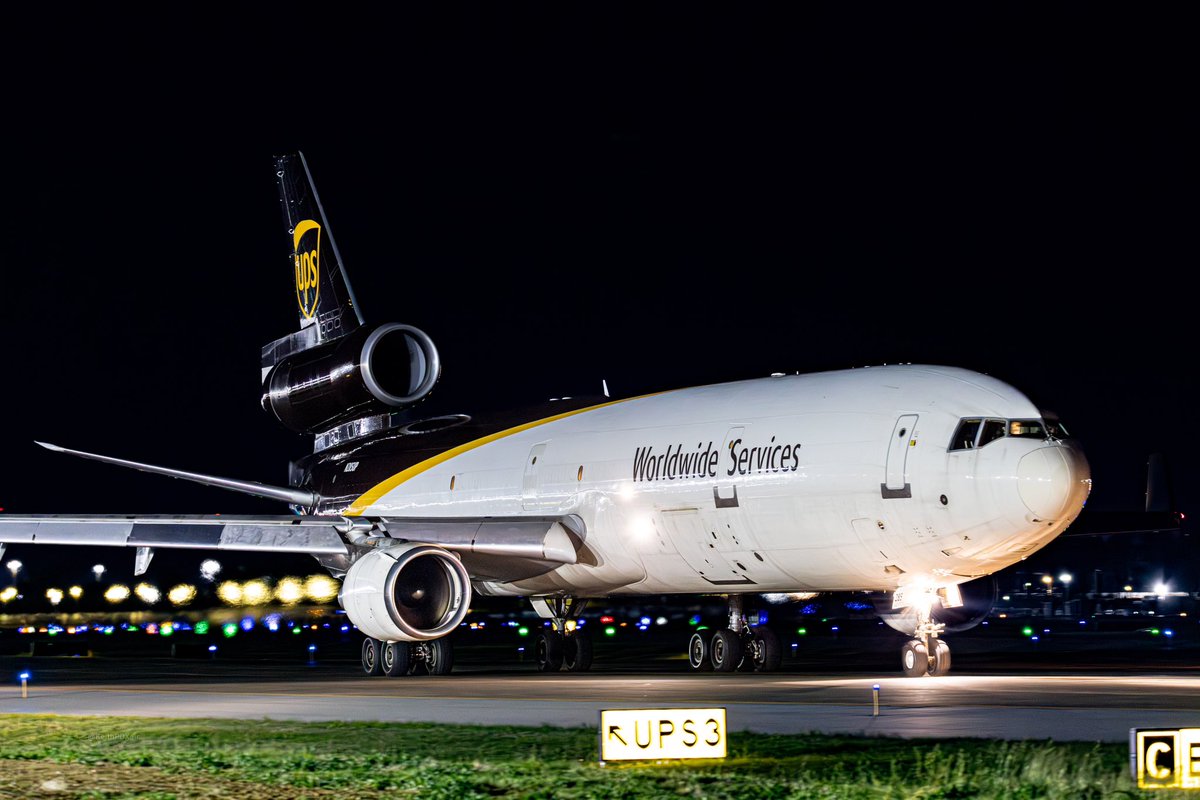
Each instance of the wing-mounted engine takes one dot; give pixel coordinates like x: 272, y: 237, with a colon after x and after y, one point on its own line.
x: 368, y: 371
x: 406, y: 592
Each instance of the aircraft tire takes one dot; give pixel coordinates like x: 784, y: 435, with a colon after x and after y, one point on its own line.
x: 549, y: 650
x: 577, y: 651
x: 766, y: 655
x: 941, y: 659
x: 439, y: 656
x: 396, y: 658
x: 914, y: 659
x: 698, y: 658
x: 372, y: 661
x: 726, y: 651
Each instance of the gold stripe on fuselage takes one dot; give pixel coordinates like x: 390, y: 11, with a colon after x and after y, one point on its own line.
x: 372, y: 495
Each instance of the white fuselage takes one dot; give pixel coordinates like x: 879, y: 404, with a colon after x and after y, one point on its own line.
x: 830, y: 481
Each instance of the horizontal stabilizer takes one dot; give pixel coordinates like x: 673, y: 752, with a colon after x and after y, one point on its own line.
x: 297, y: 497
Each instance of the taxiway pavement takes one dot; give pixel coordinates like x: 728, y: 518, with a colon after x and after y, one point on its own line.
x: 1062, y: 706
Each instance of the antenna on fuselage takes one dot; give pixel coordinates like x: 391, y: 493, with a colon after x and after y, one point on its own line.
x: 604, y: 386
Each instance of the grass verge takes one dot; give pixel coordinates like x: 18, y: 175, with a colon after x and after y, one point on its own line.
x: 91, y: 757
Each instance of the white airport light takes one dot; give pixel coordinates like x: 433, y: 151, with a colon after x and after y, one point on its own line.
x: 117, y: 593
x: 55, y: 596
x: 255, y: 593
x: 147, y: 593
x: 76, y: 592
x: 7, y: 594
x: 230, y: 592
x: 1161, y: 588
x: 181, y: 594
x: 321, y: 588
x: 98, y: 570
x: 1065, y: 578
x: 210, y: 569
x: 14, y: 567
x: 289, y: 591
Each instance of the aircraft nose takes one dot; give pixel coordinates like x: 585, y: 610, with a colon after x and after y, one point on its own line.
x: 1054, y: 481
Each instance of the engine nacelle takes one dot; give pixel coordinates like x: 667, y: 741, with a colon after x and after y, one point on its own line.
x: 406, y: 593
x: 365, y: 372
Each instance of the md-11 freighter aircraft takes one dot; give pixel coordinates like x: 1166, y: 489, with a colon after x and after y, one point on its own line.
x: 904, y: 479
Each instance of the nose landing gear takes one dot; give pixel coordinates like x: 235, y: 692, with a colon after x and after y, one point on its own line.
x: 925, y: 654
x: 738, y: 645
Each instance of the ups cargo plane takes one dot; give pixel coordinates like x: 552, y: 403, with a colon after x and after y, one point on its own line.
x: 909, y: 480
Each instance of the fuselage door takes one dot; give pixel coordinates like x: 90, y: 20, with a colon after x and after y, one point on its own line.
x: 725, y: 492
x: 529, y: 482
x: 896, y: 478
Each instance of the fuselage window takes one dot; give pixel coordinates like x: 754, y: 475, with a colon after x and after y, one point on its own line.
x: 964, y: 437
x: 993, y: 429
x: 1027, y: 428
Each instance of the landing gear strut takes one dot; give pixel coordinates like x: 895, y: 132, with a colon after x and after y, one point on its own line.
x: 925, y: 653
x: 737, y: 645
x: 563, y: 645
x: 397, y: 659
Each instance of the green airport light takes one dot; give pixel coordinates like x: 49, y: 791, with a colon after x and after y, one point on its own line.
x: 229, y: 629
x: 610, y: 631
x: 522, y: 631
x: 201, y: 627
x: 802, y: 631
x: 1027, y: 631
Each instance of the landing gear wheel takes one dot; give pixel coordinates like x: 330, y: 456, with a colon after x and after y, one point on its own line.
x: 765, y: 654
x: 372, y: 663
x: 726, y: 651
x: 549, y: 651
x: 941, y: 659
x: 577, y: 651
x: 439, y: 656
x: 698, y: 653
x: 396, y: 659
x: 914, y: 659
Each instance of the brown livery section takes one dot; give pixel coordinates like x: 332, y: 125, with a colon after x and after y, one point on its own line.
x: 393, y: 451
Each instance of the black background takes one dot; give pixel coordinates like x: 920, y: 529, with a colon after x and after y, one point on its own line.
x: 655, y: 201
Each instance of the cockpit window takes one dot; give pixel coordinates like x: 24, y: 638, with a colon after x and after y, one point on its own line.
x: 1056, y: 429
x: 964, y: 437
x: 993, y: 429
x: 974, y: 432
x: 1027, y: 428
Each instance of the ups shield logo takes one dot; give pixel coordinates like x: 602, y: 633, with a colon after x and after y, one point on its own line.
x: 306, y: 241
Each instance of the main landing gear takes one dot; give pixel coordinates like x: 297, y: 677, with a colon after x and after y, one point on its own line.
x: 564, y: 645
x: 925, y: 654
x: 738, y: 645
x: 397, y: 659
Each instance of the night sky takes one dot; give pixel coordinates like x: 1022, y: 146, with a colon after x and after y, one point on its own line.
x: 658, y: 202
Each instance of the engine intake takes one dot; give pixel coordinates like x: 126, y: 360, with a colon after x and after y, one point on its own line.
x: 407, y: 593
x: 365, y: 372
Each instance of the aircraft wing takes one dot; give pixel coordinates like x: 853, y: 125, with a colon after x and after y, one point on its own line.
x: 491, y: 548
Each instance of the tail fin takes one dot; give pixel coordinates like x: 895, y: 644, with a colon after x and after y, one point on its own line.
x: 327, y: 306
x: 323, y: 293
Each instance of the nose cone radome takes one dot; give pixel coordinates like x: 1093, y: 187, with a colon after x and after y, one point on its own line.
x: 1054, y: 481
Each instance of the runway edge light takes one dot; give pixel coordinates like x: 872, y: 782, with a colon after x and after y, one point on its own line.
x: 649, y: 734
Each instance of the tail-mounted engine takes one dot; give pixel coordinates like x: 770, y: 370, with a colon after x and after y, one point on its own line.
x: 365, y: 372
x: 406, y: 592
